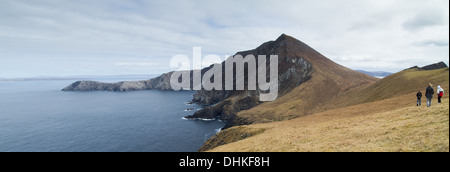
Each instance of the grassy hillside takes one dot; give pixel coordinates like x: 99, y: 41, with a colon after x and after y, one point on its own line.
x: 398, y: 84
x: 326, y: 93
x: 306, y: 81
x: 355, y: 128
x: 375, y: 117
x: 328, y: 81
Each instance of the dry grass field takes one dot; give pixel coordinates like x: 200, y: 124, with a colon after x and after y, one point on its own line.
x: 354, y: 128
x: 381, y: 116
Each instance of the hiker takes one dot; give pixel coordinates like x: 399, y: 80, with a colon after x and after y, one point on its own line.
x: 429, y: 94
x: 419, y: 98
x: 440, y: 93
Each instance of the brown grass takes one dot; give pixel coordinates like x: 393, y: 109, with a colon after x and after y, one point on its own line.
x: 399, y: 84
x: 355, y: 128
x: 229, y: 136
x: 310, y: 97
x: 327, y: 90
x: 374, y: 117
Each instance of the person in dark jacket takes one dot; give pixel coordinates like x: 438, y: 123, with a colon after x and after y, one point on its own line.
x: 429, y: 94
x: 419, y: 98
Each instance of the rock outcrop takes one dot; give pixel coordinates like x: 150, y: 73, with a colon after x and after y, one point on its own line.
x: 297, y: 64
x: 293, y: 70
x: 306, y: 80
x: 433, y: 66
x: 159, y: 83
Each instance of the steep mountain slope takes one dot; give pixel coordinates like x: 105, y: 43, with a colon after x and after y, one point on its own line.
x: 387, y: 105
x: 327, y: 81
x: 398, y: 84
x: 293, y: 70
x: 306, y: 80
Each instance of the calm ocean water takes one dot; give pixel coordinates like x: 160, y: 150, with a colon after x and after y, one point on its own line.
x: 37, y: 116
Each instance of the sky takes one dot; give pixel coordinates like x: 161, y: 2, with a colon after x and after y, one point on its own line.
x: 118, y: 37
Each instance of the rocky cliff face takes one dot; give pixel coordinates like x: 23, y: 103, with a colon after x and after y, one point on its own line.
x: 435, y: 66
x: 160, y: 83
x: 293, y: 70
x: 298, y: 64
x: 307, y: 81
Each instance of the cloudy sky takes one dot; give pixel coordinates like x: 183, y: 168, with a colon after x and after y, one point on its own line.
x: 111, y: 37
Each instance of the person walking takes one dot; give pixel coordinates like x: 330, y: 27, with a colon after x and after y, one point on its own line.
x: 440, y: 93
x: 419, y: 98
x: 429, y: 94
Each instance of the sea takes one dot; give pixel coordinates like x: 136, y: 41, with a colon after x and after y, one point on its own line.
x: 35, y: 116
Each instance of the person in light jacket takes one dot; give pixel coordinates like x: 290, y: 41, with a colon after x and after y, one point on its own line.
x: 429, y: 94
x: 440, y: 93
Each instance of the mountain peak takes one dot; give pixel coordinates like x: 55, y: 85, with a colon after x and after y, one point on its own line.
x: 284, y: 37
x: 434, y: 66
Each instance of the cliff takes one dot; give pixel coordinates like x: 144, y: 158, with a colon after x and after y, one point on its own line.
x: 433, y: 66
x: 297, y: 64
x: 293, y: 70
x: 307, y: 80
x: 160, y: 83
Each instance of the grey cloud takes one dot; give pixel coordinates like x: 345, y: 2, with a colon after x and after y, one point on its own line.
x: 438, y: 43
x: 358, y: 32
x: 424, y: 19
